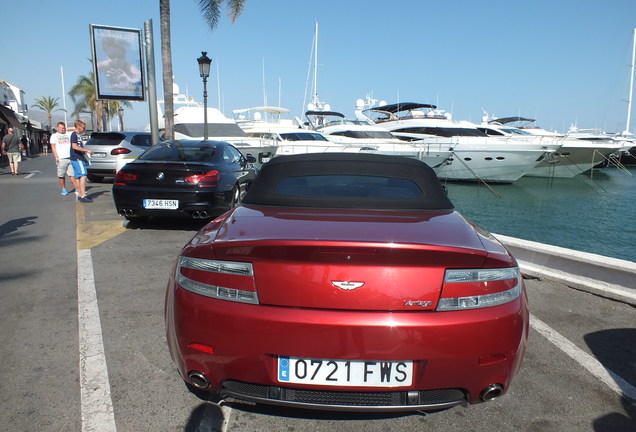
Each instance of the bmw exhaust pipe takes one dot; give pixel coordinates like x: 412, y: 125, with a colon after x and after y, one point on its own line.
x: 199, y: 380
x: 199, y: 214
x: 491, y: 392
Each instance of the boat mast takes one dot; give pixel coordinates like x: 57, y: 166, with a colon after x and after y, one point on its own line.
x: 314, y: 103
x: 314, y: 98
x: 631, y: 87
x: 264, y: 91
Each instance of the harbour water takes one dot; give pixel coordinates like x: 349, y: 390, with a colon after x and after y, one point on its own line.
x: 596, y: 215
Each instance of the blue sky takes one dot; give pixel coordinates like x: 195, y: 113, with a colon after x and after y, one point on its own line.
x: 561, y: 62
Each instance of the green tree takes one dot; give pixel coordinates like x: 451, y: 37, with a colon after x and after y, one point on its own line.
x: 48, y: 105
x: 211, y: 12
x: 85, y: 99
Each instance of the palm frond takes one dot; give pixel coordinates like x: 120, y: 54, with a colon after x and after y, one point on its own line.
x: 210, y: 9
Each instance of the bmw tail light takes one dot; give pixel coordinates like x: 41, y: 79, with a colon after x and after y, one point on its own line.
x: 225, y: 280
x: 479, y: 288
x: 119, y: 150
x: 123, y: 177
x: 210, y: 178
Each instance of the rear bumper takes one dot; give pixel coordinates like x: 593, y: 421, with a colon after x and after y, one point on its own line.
x: 102, y: 168
x: 343, y: 400
x: 101, y: 172
x: 452, y: 352
x: 131, y: 202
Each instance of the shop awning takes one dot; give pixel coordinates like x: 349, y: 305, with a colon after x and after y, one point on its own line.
x: 9, y: 117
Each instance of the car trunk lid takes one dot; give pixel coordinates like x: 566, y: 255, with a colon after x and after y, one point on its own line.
x: 347, y: 260
x: 165, y: 175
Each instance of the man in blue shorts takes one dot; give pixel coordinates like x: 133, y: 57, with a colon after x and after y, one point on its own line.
x: 78, y: 161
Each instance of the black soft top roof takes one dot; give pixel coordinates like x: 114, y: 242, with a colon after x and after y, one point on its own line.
x: 403, y: 106
x: 385, y: 183
x: 505, y: 120
x: 325, y: 113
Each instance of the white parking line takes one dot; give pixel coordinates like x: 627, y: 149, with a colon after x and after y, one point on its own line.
x: 96, y: 404
x: 32, y: 173
x: 613, y: 381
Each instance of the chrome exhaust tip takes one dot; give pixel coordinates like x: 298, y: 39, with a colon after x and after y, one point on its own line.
x: 491, y: 392
x: 199, y: 380
x: 199, y: 214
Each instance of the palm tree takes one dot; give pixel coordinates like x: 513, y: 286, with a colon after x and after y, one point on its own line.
x: 210, y: 10
x: 85, y: 99
x: 48, y: 105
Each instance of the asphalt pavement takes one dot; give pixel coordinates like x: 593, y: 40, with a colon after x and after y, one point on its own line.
x: 579, y: 372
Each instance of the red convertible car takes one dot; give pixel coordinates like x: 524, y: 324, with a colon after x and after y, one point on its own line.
x: 347, y: 282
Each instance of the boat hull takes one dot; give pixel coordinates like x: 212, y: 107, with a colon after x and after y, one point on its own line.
x: 500, y: 166
x: 571, y: 160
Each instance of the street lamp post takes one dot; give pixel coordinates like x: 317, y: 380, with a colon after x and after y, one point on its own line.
x: 120, y: 112
x: 204, y: 69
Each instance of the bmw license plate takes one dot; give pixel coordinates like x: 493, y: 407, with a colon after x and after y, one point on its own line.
x: 161, y: 204
x: 353, y: 373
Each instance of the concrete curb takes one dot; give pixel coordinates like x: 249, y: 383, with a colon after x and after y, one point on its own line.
x: 608, y: 277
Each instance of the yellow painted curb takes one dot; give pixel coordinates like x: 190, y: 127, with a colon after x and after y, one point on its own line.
x: 93, y: 233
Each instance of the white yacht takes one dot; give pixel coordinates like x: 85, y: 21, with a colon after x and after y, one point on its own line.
x: 476, y: 156
x: 579, y: 151
x: 289, y: 136
x: 265, y: 116
x: 367, y: 137
x: 286, y: 135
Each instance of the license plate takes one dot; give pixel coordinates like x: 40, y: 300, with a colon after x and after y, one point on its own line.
x: 98, y: 155
x: 353, y: 373
x: 161, y: 204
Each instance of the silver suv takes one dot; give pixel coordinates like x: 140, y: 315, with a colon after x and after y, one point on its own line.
x: 110, y: 147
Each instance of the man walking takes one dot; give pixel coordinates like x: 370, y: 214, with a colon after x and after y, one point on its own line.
x: 77, y: 160
x: 11, y: 148
x: 61, y: 148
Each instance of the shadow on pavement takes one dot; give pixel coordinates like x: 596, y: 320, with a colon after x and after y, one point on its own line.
x: 206, y: 417
x: 615, y: 350
x: 15, y: 224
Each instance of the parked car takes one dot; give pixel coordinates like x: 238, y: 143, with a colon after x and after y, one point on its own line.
x: 186, y: 178
x: 111, y: 147
x: 347, y: 282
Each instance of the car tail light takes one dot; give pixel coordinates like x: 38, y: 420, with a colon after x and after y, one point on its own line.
x: 479, y: 288
x: 225, y: 280
x: 123, y: 177
x: 210, y: 178
x: 119, y: 150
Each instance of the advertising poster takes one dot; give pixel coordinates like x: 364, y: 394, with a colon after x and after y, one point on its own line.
x: 117, y: 63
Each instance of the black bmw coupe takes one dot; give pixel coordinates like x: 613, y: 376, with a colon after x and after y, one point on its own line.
x: 183, y: 178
